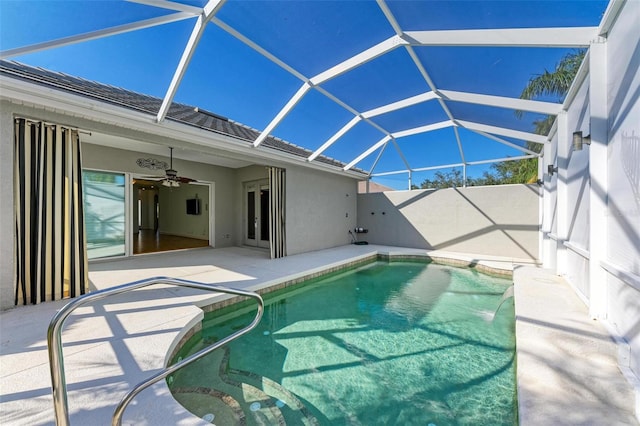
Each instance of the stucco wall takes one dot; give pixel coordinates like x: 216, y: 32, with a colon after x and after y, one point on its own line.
x: 321, y: 207
x: 493, y: 220
x: 100, y: 158
x: 320, y: 210
x: 7, y: 223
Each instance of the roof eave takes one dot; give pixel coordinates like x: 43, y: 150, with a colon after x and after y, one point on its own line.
x: 36, y: 95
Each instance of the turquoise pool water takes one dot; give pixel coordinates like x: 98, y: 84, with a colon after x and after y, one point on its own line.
x: 389, y: 343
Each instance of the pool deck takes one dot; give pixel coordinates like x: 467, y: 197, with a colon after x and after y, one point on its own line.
x: 567, y: 364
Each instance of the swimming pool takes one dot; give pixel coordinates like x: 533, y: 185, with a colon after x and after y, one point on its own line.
x: 387, y: 343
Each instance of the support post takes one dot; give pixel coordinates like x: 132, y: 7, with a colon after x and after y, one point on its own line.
x: 549, y: 245
x: 598, y: 157
x: 464, y: 175
x: 562, y: 191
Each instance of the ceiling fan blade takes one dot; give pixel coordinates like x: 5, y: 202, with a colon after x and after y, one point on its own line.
x: 183, y: 179
x: 146, y: 182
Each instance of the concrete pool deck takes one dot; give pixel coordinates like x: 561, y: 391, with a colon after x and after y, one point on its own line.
x: 567, y: 370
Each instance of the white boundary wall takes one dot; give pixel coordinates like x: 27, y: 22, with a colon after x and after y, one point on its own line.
x: 591, y: 207
x: 499, y: 220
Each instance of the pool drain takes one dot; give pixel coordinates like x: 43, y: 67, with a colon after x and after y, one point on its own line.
x: 255, y: 406
x: 208, y: 417
x: 266, y: 333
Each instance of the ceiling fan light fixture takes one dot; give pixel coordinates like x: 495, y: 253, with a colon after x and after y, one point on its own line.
x: 171, y: 178
x: 171, y: 183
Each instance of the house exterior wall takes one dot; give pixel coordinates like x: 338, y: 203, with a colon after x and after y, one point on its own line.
x: 7, y: 222
x: 321, y: 206
x: 99, y: 158
x: 250, y: 173
x: 471, y: 220
x: 320, y: 209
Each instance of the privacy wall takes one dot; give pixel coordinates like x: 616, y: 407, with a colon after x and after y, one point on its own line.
x: 492, y: 220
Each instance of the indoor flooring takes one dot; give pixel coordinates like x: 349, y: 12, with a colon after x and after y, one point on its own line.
x: 148, y: 241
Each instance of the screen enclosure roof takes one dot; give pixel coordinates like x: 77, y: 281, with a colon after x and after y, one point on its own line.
x: 388, y: 87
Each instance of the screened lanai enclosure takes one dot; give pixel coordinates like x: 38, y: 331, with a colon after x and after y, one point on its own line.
x: 259, y: 118
x: 396, y: 89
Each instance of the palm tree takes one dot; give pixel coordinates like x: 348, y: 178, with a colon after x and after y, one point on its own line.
x: 557, y: 82
x: 554, y: 83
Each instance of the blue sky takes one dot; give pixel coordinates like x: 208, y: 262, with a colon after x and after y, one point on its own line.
x: 229, y: 78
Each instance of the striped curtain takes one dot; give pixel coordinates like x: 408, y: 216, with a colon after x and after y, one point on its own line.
x: 51, y: 261
x: 277, y: 222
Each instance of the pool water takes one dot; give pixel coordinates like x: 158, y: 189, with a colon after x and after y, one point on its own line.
x: 403, y: 343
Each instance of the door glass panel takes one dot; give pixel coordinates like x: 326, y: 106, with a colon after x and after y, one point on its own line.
x: 104, y: 213
x: 264, y: 215
x: 251, y: 209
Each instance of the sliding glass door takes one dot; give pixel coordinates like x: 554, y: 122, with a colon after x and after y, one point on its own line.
x: 104, y: 204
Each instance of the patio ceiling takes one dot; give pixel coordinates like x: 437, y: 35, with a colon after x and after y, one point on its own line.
x: 394, y: 88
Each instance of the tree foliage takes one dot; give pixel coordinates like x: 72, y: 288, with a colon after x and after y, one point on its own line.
x: 557, y: 82
x: 550, y: 83
x: 453, y: 178
x: 441, y: 180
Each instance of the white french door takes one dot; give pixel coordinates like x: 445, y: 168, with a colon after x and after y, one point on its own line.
x: 256, y: 217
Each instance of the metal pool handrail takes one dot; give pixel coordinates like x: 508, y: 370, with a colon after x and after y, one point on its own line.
x: 54, y: 342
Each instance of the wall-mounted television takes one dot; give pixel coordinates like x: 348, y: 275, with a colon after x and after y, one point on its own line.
x: 193, y: 206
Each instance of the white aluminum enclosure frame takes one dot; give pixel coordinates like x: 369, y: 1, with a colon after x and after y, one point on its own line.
x: 575, y: 37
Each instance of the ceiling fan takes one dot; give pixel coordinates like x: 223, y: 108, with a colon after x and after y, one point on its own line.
x: 171, y: 178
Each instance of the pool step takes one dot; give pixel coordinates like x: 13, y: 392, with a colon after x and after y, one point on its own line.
x: 294, y: 412
x: 236, y: 397
x: 210, y: 404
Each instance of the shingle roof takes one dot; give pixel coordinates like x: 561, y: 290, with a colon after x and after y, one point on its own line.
x: 182, y: 113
